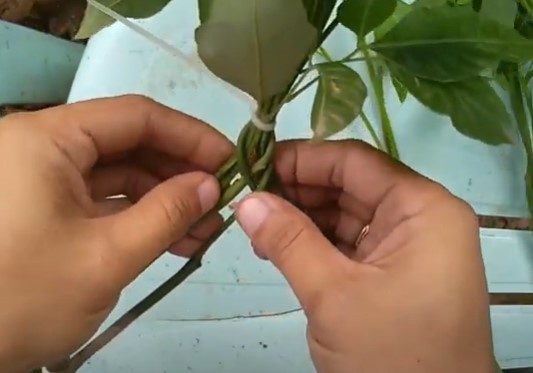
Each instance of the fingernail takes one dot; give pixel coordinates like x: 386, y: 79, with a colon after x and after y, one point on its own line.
x: 251, y: 214
x: 208, y: 194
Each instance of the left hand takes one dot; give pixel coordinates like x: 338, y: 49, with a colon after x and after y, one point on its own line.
x: 66, y: 249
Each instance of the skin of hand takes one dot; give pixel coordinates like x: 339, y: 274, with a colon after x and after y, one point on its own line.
x: 67, y: 250
x: 412, y: 297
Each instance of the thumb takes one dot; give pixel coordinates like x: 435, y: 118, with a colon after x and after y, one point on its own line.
x: 140, y: 234
x: 290, y: 240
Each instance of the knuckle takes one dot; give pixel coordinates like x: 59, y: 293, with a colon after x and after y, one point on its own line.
x: 439, y: 199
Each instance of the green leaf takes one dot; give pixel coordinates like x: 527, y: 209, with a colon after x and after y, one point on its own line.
x: 94, y: 20
x: 400, y: 89
x: 402, y: 9
x: 500, y: 11
x: 451, y: 43
x: 256, y: 45
x: 528, y: 76
x: 319, y: 12
x: 429, y: 3
x: 476, y: 5
x: 475, y: 109
x: 459, y: 2
x: 339, y: 99
x: 527, y: 5
x: 204, y: 9
x: 363, y: 16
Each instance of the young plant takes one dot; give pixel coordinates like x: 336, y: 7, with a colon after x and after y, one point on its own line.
x: 448, y: 54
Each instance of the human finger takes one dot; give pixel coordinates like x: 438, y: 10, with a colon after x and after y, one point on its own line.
x: 362, y: 172
x: 139, y: 235
x: 197, y: 236
x: 289, y: 239
x: 89, y: 130
x: 121, y: 179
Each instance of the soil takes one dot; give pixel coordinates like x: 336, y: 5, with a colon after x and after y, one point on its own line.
x: 61, y: 18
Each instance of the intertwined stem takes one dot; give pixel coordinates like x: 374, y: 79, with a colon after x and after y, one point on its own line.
x: 377, y: 87
x: 253, y: 162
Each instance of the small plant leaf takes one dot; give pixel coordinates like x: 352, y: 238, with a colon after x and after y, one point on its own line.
x: 400, y: 89
x: 339, y: 99
x: 402, y: 9
x: 363, y: 16
x: 94, y: 20
x: 451, y: 43
x: 319, y: 12
x: 256, y: 45
x: 475, y: 109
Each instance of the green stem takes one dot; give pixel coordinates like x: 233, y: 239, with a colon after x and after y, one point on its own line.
x: 193, y: 264
x: 251, y: 140
x: 519, y: 110
x: 519, y: 93
x: 324, y: 54
x: 299, y: 91
x: 327, y: 32
x: 371, y: 130
x: 349, y: 56
x: 344, y: 60
x: 242, y: 156
x: 386, y: 126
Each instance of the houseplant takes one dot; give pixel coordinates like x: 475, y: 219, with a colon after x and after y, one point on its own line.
x: 420, y: 47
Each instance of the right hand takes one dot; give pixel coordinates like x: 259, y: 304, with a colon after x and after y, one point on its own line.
x: 412, y: 297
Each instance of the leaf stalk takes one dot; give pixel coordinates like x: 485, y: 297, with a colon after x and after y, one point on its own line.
x: 386, y: 127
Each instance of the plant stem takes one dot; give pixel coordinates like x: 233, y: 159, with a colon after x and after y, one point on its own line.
x: 324, y: 54
x: 517, y: 104
x: 519, y: 93
x: 371, y: 130
x: 349, y: 56
x: 344, y: 60
x: 194, y: 263
x: 386, y: 127
x: 299, y: 91
x: 329, y: 29
x: 252, y: 141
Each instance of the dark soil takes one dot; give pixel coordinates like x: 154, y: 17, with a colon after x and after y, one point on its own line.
x: 61, y: 18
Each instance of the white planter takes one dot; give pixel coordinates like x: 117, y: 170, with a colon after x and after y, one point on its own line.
x: 205, y: 325
x: 35, y: 67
